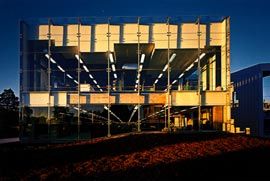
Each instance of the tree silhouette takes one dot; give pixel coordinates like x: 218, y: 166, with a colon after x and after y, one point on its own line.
x: 8, y: 100
x: 9, y: 115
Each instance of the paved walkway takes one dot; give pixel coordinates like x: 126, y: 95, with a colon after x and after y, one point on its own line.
x: 9, y: 140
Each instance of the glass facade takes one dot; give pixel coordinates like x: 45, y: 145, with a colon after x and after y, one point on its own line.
x: 95, y: 76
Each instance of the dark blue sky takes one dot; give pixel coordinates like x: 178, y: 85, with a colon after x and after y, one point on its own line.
x: 250, y: 24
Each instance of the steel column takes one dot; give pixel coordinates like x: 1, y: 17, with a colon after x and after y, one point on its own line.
x: 199, y: 74
x: 49, y: 79
x: 139, y: 77
x: 168, y: 80
x: 108, y: 78
x: 79, y: 83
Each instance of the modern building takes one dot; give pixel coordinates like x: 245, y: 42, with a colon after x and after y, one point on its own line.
x: 249, y: 109
x: 77, y: 73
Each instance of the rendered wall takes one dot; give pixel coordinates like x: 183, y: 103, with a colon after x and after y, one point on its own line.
x: 85, y: 37
x: 130, y: 33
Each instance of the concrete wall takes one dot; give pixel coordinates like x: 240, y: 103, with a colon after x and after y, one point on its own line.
x: 184, y: 35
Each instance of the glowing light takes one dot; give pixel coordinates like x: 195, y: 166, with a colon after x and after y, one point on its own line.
x: 201, y: 56
x: 156, y: 81
x: 160, y: 75
x: 51, y: 59
x: 111, y: 57
x: 115, y: 76
x: 98, y: 86
x: 174, y: 81
x: 142, y: 58
x: 91, y: 76
x: 60, y: 68
x: 172, y: 57
x: 79, y: 59
x: 95, y: 81
x: 165, y: 68
x: 69, y: 76
x: 189, y: 67
x: 85, y: 68
x: 181, y: 75
x: 113, y: 67
x: 141, y: 66
x: 76, y: 81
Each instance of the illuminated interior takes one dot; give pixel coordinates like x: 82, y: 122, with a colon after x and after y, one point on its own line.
x: 153, y: 63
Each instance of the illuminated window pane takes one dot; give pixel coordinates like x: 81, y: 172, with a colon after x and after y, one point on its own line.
x: 56, y: 33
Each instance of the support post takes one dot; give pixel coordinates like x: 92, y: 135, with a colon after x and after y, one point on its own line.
x: 92, y: 117
x: 79, y: 83
x: 168, y: 80
x: 49, y: 79
x: 165, y: 117
x: 139, y: 77
x: 199, y: 74
x: 108, y: 83
x: 228, y: 72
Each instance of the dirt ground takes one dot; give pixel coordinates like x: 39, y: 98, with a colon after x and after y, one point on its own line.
x: 157, y: 156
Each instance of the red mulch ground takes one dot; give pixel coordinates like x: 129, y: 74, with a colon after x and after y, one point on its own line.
x: 140, y: 157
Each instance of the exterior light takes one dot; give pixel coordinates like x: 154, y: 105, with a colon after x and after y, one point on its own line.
x: 201, y: 56
x: 172, y: 57
x: 140, y: 69
x: 98, y: 86
x: 189, y: 67
x: 165, y: 68
x: 137, y: 81
x: 51, y: 59
x: 160, y: 75
x: 181, y: 75
x: 105, y: 107
x: 174, y: 81
x: 95, y: 81
x: 101, y: 90
x: 79, y: 59
x: 91, y: 76
x: 69, y: 76
x: 60, y: 68
x: 156, y: 81
x: 111, y: 57
x: 142, y: 58
x: 76, y: 81
x: 115, y: 76
x: 113, y: 67
x: 85, y: 68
